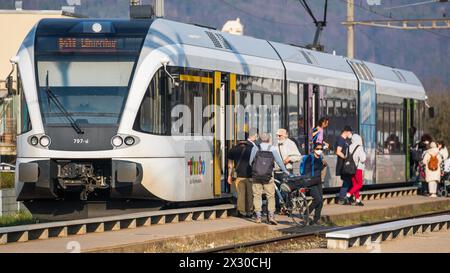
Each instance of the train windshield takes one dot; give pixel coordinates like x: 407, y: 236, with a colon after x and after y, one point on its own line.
x: 91, y: 91
x: 84, y: 69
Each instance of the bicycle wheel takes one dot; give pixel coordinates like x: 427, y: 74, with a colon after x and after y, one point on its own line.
x: 300, y: 210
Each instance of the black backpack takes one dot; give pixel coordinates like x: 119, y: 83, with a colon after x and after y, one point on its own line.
x: 262, y: 166
x: 349, y: 167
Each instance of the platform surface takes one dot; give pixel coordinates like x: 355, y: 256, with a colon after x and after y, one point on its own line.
x: 142, y: 234
x: 433, y: 242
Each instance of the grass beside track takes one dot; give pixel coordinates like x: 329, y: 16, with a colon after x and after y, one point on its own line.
x: 6, y: 180
x: 16, y: 219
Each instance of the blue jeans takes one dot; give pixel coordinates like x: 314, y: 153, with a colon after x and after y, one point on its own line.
x: 346, y: 185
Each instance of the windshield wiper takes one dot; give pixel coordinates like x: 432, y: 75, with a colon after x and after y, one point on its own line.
x: 51, y: 96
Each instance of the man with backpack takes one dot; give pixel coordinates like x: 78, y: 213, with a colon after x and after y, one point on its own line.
x: 262, y: 160
x: 432, y: 161
x: 240, y: 156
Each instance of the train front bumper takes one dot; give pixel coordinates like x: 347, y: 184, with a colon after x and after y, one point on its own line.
x: 41, y: 178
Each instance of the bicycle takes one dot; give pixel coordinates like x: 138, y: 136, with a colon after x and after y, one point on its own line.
x: 296, y: 206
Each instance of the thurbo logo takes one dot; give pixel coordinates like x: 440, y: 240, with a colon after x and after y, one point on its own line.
x: 197, y: 167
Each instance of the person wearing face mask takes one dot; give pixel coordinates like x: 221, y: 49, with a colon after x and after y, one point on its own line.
x: 359, y: 157
x: 312, y: 167
x: 342, y: 147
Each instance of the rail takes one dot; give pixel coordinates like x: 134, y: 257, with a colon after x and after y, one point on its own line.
x: 110, y: 223
x: 329, y: 199
x: 322, y: 232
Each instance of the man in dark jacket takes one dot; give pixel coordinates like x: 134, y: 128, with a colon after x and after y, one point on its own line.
x: 240, y: 156
x: 341, y: 151
x: 311, y: 167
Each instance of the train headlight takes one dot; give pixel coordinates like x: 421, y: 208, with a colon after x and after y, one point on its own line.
x: 44, y: 141
x: 117, y: 141
x: 129, y: 141
x: 34, y: 141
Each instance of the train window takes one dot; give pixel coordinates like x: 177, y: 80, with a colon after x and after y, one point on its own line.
x: 257, y: 101
x: 330, y: 108
x: 301, y: 101
x: 25, y: 122
x: 340, y: 106
x: 392, y: 125
x: 344, y: 108
x: 399, y: 122
x: 152, y: 113
x: 293, y: 108
x: 390, y: 111
x: 197, y: 91
x: 267, y: 113
x: 253, y: 83
x: 276, y: 113
x: 380, y: 132
x: 260, y: 94
x: 243, y: 117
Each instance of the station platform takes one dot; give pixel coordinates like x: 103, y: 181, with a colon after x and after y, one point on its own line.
x: 197, y: 235
x: 435, y: 242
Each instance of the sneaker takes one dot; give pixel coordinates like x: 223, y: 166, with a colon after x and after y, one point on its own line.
x: 347, y: 201
x: 248, y: 215
x: 316, y: 223
x: 240, y: 215
x: 359, y: 203
x: 258, y: 217
x: 433, y: 195
x: 272, y: 221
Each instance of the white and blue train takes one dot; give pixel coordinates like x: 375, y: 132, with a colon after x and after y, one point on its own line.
x: 97, y: 100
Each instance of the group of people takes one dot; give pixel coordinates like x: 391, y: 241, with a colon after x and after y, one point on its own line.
x: 430, y: 164
x: 252, y: 164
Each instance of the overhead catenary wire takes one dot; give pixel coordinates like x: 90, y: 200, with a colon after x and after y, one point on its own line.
x: 391, y: 17
x: 252, y: 14
x: 413, y: 4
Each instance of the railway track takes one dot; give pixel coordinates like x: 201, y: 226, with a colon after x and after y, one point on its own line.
x: 45, y: 231
x: 294, y: 238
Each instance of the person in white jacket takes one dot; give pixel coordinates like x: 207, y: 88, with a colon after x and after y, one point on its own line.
x: 432, y: 161
x: 359, y: 156
x: 289, y: 152
x: 443, y: 151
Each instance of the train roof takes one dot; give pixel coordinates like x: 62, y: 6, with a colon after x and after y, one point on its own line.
x: 396, y: 82
x: 246, y: 55
x: 200, y: 47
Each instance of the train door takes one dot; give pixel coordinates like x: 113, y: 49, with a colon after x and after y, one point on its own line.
x: 367, y: 117
x: 224, y: 128
x: 313, y: 94
x: 411, y: 135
